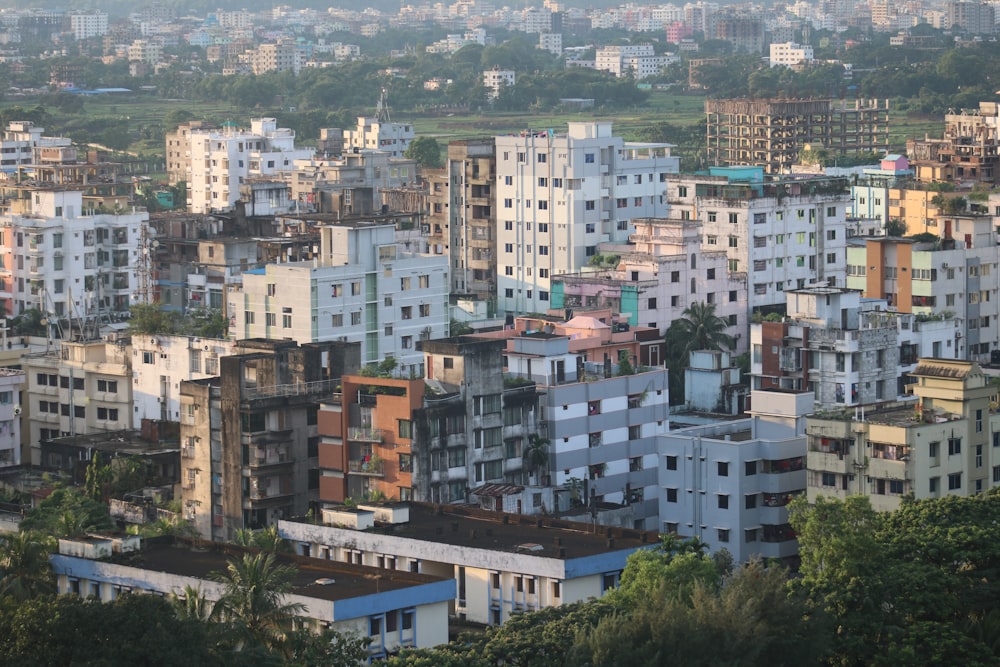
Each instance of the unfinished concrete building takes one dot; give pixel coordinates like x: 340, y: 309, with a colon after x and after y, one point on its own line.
x: 771, y: 132
x: 968, y: 152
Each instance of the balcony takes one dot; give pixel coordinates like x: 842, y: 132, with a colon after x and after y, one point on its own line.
x: 373, y: 466
x: 187, y: 451
x: 364, y: 434
x: 265, y: 457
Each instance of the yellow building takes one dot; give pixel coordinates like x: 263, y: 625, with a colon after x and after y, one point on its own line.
x: 939, y: 445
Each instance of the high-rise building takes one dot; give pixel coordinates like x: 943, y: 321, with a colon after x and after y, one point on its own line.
x: 560, y: 196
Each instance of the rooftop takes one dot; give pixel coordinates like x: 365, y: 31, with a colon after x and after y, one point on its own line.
x: 456, y: 525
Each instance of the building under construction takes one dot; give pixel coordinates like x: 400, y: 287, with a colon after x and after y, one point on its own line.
x: 771, y: 132
x: 968, y: 153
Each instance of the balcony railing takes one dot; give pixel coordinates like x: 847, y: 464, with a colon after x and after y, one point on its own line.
x: 364, y: 434
x: 369, y: 467
x: 296, y: 389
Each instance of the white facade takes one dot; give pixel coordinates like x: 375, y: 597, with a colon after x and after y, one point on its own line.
x: 11, y: 383
x: 551, y: 42
x: 777, y: 236
x: 496, y: 80
x: 364, y: 289
x: 376, y: 135
x: 70, y: 262
x: 222, y: 159
x: 160, y: 363
x: 615, y: 59
x: 729, y: 483
x: 85, y: 26
x: 559, y: 196
x: 18, y: 141
x: 789, y: 54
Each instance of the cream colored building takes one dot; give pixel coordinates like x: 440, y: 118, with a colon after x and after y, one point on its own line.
x: 944, y: 443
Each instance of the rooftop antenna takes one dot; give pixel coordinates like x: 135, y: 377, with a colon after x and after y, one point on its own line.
x: 382, y: 109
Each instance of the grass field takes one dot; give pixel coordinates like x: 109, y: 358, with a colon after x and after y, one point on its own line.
x: 662, y: 106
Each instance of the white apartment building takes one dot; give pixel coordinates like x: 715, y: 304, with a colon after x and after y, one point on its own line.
x: 844, y: 348
x: 789, y: 54
x: 11, y: 384
x: 18, y: 141
x: 551, y: 42
x: 221, y: 159
x: 379, y: 134
x: 145, y: 51
x: 729, y: 483
x: 68, y: 261
x: 88, y: 24
x: 559, y: 196
x: 276, y: 57
x: 778, y: 234
x: 497, y: 79
x: 161, y: 362
x: 363, y: 288
x: 77, y: 388
x: 637, y: 60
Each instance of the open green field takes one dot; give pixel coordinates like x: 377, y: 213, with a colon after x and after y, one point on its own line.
x: 663, y: 107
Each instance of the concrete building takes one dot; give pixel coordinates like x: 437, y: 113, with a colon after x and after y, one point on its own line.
x: 771, y: 132
x: 729, y: 483
x: 665, y: 270
x: 178, y: 149
x: 63, y: 258
x: 501, y: 564
x: 965, y: 153
x: 86, y: 25
x: 18, y: 141
x: 276, y: 57
x: 379, y: 133
x: 845, y: 349
x: 249, y: 440
x: 161, y: 362
x: 551, y: 42
x: 636, y: 60
x: 559, y: 196
x: 939, y: 445
x: 352, y: 184
x: 790, y: 54
x: 362, y: 288
x: 12, y: 383
x: 496, y: 80
x: 397, y: 609
x: 954, y: 276
x: 220, y: 159
x: 77, y: 388
x: 463, y: 217
x: 712, y: 383
x: 778, y: 234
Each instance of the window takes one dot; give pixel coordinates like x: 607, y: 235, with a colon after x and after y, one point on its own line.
x: 405, y: 428
x: 337, y: 319
x: 425, y: 310
x: 406, y: 312
x: 542, y: 157
x: 356, y: 288
x: 588, y: 158
x: 710, y: 274
x: 722, y: 468
x: 723, y: 501
x: 935, y: 482
x: 723, y: 534
x: 671, y: 495
x: 356, y: 318
x: 955, y: 481
x: 543, y: 205
x: 671, y: 463
x: 954, y: 446
x: 109, y: 386
x: 589, y: 205
x: 270, y: 319
x: 734, y: 218
x: 750, y: 468
x: 750, y: 501
x: 424, y: 281
x: 108, y: 414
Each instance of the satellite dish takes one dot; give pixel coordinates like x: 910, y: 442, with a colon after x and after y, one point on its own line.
x: 17, y: 410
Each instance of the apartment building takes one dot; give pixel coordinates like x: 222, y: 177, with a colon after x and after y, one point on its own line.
x: 846, y: 349
x: 379, y: 133
x: 495, y: 80
x: 395, y: 610
x: 944, y: 443
x: 178, y: 149
x: 778, y: 234
x: 665, y: 270
x: 249, y: 439
x: 18, y: 141
x: 559, y: 196
x: 76, y: 388
x: 790, y: 54
x: 12, y: 381
x: 955, y: 276
x: 964, y: 154
x: 352, y: 184
x: 362, y: 288
x: 61, y: 257
x: 161, y: 362
x: 500, y: 564
x: 275, y: 57
x: 85, y: 25
x: 771, y: 132
x: 636, y: 60
x: 729, y: 483
x: 463, y: 217
x: 216, y: 161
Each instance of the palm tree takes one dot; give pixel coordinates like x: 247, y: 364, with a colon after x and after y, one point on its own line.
x: 699, y: 329
x: 536, y: 454
x: 24, y: 565
x: 253, y: 599
x: 192, y: 605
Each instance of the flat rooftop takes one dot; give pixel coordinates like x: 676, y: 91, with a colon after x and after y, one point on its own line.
x: 457, y: 525
x: 200, y: 559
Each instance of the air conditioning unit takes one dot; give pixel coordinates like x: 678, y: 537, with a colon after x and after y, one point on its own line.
x: 161, y: 399
x: 153, y: 341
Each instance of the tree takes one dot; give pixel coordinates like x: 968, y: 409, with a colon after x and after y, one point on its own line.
x: 67, y: 513
x: 265, y: 539
x: 24, y: 565
x: 426, y: 151
x: 701, y: 329
x: 253, y: 599
x: 150, y: 318
x: 536, y: 454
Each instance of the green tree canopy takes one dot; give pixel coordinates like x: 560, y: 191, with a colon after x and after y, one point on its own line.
x: 426, y: 151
